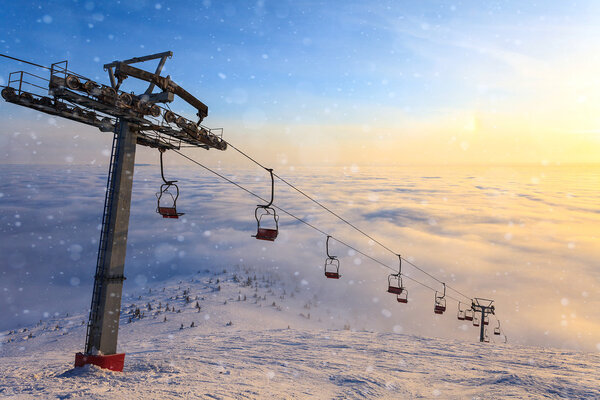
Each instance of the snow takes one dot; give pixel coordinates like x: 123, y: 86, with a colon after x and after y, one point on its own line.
x: 273, y: 345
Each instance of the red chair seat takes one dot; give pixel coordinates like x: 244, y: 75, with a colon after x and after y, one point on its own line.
x: 266, y: 234
x: 394, y: 290
x: 332, y: 275
x: 168, y: 212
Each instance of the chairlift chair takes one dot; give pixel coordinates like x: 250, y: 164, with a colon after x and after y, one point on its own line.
x: 395, y: 284
x: 262, y: 232
x: 469, y: 314
x: 268, y: 213
x: 332, y: 264
x: 395, y: 280
x: 440, y: 302
x: 402, y: 298
x: 486, y: 337
x: 168, y: 195
x: 167, y: 201
x: 475, y: 320
x: 461, y: 313
x: 497, y: 329
x: 332, y: 268
x: 486, y: 320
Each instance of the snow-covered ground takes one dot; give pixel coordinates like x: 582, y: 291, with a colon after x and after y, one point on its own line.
x: 256, y: 336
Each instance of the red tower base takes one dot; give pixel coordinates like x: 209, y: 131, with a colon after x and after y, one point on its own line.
x: 114, y: 362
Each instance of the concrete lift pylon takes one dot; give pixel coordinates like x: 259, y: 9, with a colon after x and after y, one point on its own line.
x: 105, y: 310
x: 134, y: 119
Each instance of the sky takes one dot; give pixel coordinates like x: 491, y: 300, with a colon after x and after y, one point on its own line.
x: 327, y: 83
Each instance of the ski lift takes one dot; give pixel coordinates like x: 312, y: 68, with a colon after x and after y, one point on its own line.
x: 461, y: 313
x: 267, y: 212
x: 167, y: 197
x: 440, y: 302
x: 486, y: 337
x: 332, y: 264
x: 497, y: 329
x: 475, y: 320
x: 469, y: 314
x: 403, y: 297
x: 395, y: 280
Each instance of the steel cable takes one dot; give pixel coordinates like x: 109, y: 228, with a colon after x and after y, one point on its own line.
x: 308, y: 223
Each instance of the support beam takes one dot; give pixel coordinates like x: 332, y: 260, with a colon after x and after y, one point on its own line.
x: 103, y: 325
x: 482, y: 325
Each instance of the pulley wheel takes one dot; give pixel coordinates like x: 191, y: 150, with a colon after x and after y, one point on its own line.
x: 109, y: 92
x: 154, y: 110
x: 8, y: 93
x: 73, y: 82
x: 170, y: 117
x: 181, y: 122
x: 46, y: 101
x: 91, y: 87
x: 192, y: 130
x: 27, y: 97
x: 126, y: 98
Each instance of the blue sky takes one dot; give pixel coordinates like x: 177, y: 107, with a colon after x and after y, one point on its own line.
x: 407, y: 75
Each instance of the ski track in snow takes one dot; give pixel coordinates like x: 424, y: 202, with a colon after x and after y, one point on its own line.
x: 258, y: 356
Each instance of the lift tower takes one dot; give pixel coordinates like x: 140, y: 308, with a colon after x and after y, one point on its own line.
x: 134, y: 119
x: 483, y: 306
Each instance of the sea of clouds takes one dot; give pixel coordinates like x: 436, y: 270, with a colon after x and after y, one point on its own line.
x: 523, y: 236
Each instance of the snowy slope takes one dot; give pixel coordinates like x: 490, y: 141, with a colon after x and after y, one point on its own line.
x: 258, y: 338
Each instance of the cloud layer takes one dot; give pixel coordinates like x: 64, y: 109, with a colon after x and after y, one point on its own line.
x: 523, y: 236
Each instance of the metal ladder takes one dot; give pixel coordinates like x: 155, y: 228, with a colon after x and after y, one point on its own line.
x: 99, y: 277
